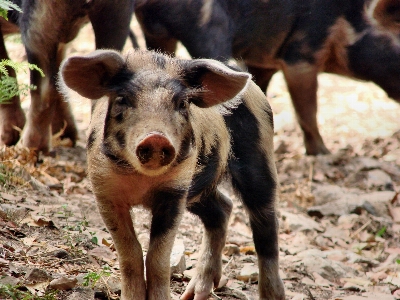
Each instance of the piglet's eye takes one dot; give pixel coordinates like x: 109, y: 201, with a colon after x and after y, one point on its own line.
x: 183, y: 105
x: 122, y: 101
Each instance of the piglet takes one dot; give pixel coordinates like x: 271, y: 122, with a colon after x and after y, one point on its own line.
x: 164, y: 133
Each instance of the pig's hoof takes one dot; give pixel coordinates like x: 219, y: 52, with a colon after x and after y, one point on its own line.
x: 189, y: 295
x: 9, y: 135
x: 35, y: 140
x: 11, y: 124
x: 317, y: 150
x: 198, y: 289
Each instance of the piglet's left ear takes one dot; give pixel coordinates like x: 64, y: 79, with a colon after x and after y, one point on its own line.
x: 218, y: 82
x: 89, y: 75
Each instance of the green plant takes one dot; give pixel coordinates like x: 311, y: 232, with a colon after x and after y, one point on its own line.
x: 10, y: 177
x: 15, y: 293
x: 381, y: 231
x: 92, y: 277
x: 9, y: 86
x: 6, y: 5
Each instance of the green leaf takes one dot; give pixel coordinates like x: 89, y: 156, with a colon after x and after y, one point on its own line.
x: 381, y: 232
x: 95, y: 240
x: 3, y: 13
x: 9, y: 5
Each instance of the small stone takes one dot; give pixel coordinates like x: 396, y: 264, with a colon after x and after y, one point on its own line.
x: 308, y: 281
x: 177, y: 259
x: 321, y: 281
x: 9, y: 280
x: 63, y: 283
x: 380, y: 180
x: 81, y: 294
x: 298, y: 222
x: 249, y: 272
x: 37, y: 275
x: 231, y: 249
x: 4, y: 262
x: 60, y: 253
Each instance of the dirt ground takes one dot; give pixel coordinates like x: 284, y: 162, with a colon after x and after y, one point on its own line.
x: 339, y: 214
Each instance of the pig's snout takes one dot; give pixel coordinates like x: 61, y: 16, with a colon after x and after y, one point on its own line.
x: 155, y: 151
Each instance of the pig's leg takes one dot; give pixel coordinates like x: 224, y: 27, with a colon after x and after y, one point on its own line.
x: 165, y: 45
x: 214, y: 210
x: 167, y: 210
x: 302, y: 83
x: 63, y: 119
x: 119, y: 223
x: 110, y: 21
x: 261, y: 76
x: 37, y: 132
x: 11, y: 113
x: 254, y: 178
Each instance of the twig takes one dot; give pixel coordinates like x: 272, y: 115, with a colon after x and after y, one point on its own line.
x: 216, y: 296
x: 241, y: 293
x: 229, y: 261
x: 309, y: 293
x: 360, y: 229
x: 310, y: 175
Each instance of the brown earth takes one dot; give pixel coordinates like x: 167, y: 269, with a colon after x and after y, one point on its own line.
x: 339, y: 214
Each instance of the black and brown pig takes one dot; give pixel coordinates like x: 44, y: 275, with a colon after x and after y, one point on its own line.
x: 46, y: 27
x: 164, y: 133
x: 355, y: 38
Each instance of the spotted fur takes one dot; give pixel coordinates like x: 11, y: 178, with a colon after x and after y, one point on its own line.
x: 358, y: 39
x: 159, y: 138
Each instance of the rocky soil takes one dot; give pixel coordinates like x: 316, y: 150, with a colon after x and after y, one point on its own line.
x: 339, y: 214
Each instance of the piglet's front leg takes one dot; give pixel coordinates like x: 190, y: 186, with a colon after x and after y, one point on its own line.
x: 214, y: 210
x: 119, y: 223
x: 168, y: 207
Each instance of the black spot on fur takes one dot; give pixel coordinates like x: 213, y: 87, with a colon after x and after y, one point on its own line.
x: 253, y: 179
x: 193, y: 77
x: 120, y: 81
x: 186, y: 146
x: 91, y: 139
x: 213, y: 209
x: 208, y: 174
x: 160, y: 60
x: 165, y: 210
x: 107, y: 150
x: 120, y: 137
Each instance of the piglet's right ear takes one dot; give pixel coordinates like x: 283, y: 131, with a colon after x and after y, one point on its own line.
x: 88, y: 75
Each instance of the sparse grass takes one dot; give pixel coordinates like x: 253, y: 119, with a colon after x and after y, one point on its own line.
x: 92, y: 278
x: 14, y: 293
x: 381, y: 232
x: 10, y: 177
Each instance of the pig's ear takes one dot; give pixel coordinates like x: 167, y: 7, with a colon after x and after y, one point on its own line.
x: 217, y: 82
x: 89, y: 75
x: 387, y: 14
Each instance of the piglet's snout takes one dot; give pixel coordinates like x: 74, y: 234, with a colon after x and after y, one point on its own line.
x: 155, y: 151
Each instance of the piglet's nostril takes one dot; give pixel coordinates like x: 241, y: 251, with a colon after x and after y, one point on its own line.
x: 144, y: 153
x: 155, y: 151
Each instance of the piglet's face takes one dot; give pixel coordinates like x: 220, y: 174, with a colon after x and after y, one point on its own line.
x: 148, y: 121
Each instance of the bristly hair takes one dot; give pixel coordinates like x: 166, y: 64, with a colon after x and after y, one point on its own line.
x: 120, y: 81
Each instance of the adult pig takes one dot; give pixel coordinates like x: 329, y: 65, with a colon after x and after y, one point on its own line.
x: 357, y: 38
x: 46, y: 27
x: 163, y: 133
